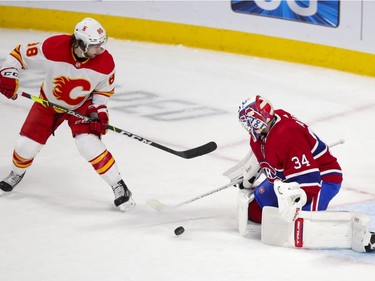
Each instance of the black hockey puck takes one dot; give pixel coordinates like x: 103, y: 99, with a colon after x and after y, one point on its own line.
x: 179, y: 230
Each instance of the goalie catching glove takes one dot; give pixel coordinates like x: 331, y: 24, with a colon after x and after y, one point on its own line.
x: 99, y: 119
x: 290, y: 197
x: 9, y: 82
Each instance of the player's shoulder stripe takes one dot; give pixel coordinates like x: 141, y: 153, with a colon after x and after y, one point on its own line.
x: 58, y: 48
x: 103, y: 63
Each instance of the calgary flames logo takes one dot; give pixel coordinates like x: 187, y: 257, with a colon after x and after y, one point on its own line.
x: 64, y: 87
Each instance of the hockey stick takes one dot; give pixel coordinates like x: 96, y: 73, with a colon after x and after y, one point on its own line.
x: 159, y: 206
x: 187, y: 154
x: 340, y: 141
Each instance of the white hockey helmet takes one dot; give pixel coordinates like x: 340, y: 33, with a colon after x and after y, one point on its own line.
x: 255, y: 114
x: 90, y: 32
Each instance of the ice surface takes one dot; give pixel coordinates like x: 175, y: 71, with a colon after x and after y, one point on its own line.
x: 60, y: 223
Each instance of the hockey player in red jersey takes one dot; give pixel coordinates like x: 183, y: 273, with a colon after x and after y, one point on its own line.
x: 79, y: 75
x: 301, y: 176
x: 288, y: 150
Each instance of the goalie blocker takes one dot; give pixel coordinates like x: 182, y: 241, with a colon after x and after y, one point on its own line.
x: 306, y: 229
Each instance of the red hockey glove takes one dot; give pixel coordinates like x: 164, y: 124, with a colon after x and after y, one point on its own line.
x: 9, y: 82
x: 99, y: 117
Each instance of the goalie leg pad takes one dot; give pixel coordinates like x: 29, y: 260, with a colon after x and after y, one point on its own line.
x: 246, y: 227
x: 316, y: 230
x: 275, y: 230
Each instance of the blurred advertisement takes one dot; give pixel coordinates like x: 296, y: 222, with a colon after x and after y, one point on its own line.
x: 318, y: 12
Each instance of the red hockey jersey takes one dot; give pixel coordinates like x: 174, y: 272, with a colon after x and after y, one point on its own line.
x: 293, y: 153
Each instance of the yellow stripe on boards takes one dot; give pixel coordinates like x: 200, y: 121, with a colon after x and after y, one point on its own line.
x: 195, y: 36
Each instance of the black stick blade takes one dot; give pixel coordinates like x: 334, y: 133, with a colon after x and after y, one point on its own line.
x: 198, y: 151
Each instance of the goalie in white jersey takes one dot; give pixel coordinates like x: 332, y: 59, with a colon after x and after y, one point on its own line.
x: 79, y: 75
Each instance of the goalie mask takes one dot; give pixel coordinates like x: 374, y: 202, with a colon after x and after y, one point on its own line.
x: 92, y: 36
x: 255, y: 114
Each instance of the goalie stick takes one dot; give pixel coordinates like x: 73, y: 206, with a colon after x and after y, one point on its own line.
x: 187, y: 154
x: 159, y: 206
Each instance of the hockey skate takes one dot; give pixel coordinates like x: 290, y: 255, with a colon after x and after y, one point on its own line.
x: 371, y: 246
x: 123, y: 195
x: 10, y: 182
